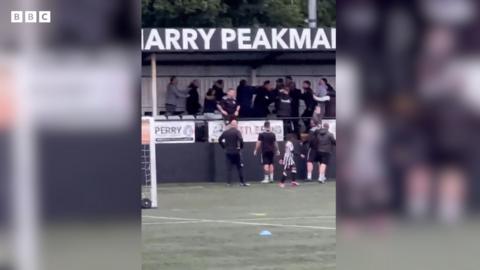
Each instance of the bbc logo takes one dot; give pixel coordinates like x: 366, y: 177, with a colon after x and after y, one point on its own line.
x: 30, y: 17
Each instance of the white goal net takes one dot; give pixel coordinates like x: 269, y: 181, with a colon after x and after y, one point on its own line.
x: 148, y: 163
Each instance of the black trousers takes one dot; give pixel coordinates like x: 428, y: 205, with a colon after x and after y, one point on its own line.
x: 234, y: 160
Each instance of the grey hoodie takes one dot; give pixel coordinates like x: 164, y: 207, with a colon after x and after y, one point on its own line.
x: 176, y: 96
x: 322, y: 141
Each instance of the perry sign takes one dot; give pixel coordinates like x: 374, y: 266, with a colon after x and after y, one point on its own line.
x: 174, y: 132
x: 249, y: 129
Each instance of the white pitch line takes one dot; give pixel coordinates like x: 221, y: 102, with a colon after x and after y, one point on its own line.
x: 172, y: 218
x: 244, y: 223
x: 180, y: 187
x: 252, y: 219
x: 274, y: 225
x: 173, y: 222
x: 285, y: 218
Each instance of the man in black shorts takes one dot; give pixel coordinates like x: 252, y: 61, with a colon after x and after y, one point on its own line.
x: 321, y: 143
x: 268, y: 144
x: 231, y: 140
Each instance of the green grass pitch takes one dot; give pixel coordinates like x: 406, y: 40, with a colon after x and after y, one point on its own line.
x: 215, y: 227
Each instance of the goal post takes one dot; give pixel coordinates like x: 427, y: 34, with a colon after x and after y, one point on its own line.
x: 148, y: 161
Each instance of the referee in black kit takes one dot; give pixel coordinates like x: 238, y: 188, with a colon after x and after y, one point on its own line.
x: 231, y: 140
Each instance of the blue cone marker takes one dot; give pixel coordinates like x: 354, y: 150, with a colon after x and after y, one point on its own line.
x: 265, y: 233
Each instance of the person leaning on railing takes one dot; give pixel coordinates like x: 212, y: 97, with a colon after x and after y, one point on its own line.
x: 263, y: 100
x: 310, y: 103
x: 284, y: 108
x: 213, y: 96
x: 295, y: 95
x: 193, y: 100
x: 176, y: 97
x: 245, y: 94
x: 229, y: 107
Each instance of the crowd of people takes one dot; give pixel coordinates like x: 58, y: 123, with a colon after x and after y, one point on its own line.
x: 281, y: 100
x: 319, y: 147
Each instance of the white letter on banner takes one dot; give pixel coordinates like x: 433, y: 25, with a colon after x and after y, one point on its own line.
x: 207, y: 37
x: 300, y: 42
x: 228, y: 35
x: 171, y: 38
x: 321, y: 40
x: 154, y: 40
x: 189, y: 39
x: 244, y: 36
x: 334, y: 38
x: 277, y: 38
x: 261, y: 40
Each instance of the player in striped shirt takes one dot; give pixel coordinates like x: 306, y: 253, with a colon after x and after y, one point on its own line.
x: 288, y: 162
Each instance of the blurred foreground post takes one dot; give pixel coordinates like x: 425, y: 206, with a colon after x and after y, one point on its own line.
x: 153, y: 58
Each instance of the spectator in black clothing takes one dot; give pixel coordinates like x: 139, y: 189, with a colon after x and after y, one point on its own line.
x: 193, y: 100
x: 273, y: 95
x: 279, y: 86
x: 289, y: 82
x: 209, y: 104
x: 330, y: 90
x: 231, y: 140
x: 283, y: 103
x: 330, y: 106
x: 218, y: 88
x: 213, y: 96
x: 229, y: 107
x: 284, y: 108
x: 244, y: 98
x: 262, y: 100
x: 310, y: 103
x: 295, y: 96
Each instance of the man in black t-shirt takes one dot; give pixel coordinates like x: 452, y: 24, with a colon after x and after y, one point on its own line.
x: 268, y: 144
x: 263, y: 99
x: 213, y: 96
x: 245, y: 94
x: 232, y: 142
x: 228, y: 106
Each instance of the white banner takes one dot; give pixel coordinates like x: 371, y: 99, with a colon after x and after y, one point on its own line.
x: 249, y: 129
x: 174, y: 132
